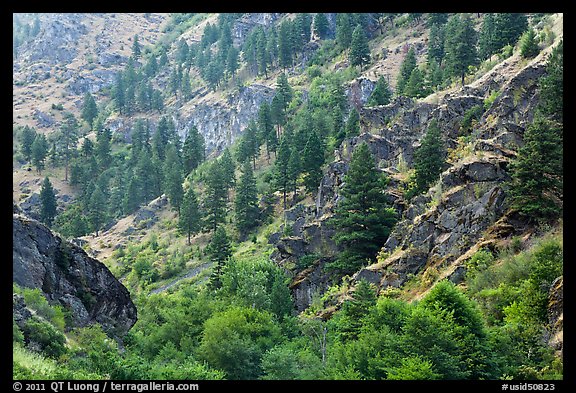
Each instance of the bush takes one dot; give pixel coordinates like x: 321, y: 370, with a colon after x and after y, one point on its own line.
x: 50, y: 340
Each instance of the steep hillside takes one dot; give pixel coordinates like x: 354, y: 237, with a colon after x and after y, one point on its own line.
x: 301, y: 191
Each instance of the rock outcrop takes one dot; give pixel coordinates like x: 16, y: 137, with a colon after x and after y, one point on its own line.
x: 68, y: 276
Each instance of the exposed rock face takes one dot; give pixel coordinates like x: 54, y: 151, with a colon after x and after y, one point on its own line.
x: 68, y: 276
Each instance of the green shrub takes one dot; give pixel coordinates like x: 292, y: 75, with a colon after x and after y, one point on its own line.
x: 50, y: 340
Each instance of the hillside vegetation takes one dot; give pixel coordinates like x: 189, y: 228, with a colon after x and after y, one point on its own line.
x: 373, y: 196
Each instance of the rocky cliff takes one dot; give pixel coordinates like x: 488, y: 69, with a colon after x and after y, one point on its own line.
x: 68, y: 276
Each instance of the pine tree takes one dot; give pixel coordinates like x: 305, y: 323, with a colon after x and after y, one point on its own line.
x: 246, y: 202
x: 193, y: 151
x: 408, y: 64
x: 284, y: 45
x: 89, y: 109
x: 228, y: 169
x: 215, y: 197
x: 232, y: 61
x: 97, y: 209
x: 382, y: 94
x: 39, y: 152
x: 321, y: 25
x: 173, y: 178
x: 537, y: 172
x: 27, y: 139
x: 68, y: 139
x: 429, y: 159
x: 487, y: 44
x: 552, y: 85
x: 528, y: 44
x: 415, y: 86
x: 281, y: 168
x: 249, y: 147
x: 136, y: 48
x: 343, y: 31
x: 352, y: 127
x: 460, y: 45
x: 509, y: 27
x: 363, y: 219
x: 190, y: 219
x: 219, y: 251
x: 359, y: 50
x: 266, y: 128
x: 48, y: 202
x: 103, y: 148
x: 436, y: 43
x: 312, y: 161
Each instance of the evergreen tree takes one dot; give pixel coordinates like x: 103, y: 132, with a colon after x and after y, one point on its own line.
x: 228, y: 169
x: 284, y: 45
x: 193, y: 151
x: 321, y: 25
x: 136, y: 48
x: 359, y: 50
x: 87, y: 148
x: 487, y: 41
x: 312, y: 161
x: 219, y: 251
x: 429, y: 159
x: 48, y: 202
x: 509, y: 27
x: 382, y: 94
x: 190, y: 219
x: 408, y: 64
x: 350, y: 318
x: 352, y: 127
x: 363, y: 219
x: 27, y: 139
x: 39, y: 152
x: 552, y: 85
x: 173, y: 178
x: 119, y: 94
x: 415, y: 86
x: 249, y: 147
x: 97, y: 209
x: 89, y: 109
x: 528, y: 44
x: 294, y: 168
x: 436, y: 43
x: 232, y: 64
x: 437, y: 18
x: 343, y: 31
x: 266, y: 128
x: 281, y: 168
x: 537, y: 172
x: 460, y: 45
x: 215, y: 197
x: 284, y: 91
x: 104, y: 148
x: 246, y: 202
x: 68, y: 139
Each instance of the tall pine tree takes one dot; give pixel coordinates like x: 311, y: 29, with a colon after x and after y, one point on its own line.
x: 246, y: 202
x: 47, y: 202
x: 363, y: 218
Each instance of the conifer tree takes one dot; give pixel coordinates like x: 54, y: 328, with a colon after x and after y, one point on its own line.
x: 190, y: 219
x: 382, y: 94
x: 528, y: 44
x: 89, y: 109
x: 228, y: 169
x: 321, y: 25
x: 27, y: 137
x: 487, y: 44
x: 219, y: 251
x: 352, y: 127
x: 281, y: 181
x: 68, y: 139
x: 136, y: 48
x: 537, y: 172
x: 343, y: 31
x: 312, y: 161
x: 39, y: 152
x: 173, y: 178
x: 48, y: 202
x: 97, y: 209
x: 552, y: 85
x: 429, y: 159
x: 408, y: 64
x: 215, y: 197
x: 193, y: 151
x: 266, y: 128
x: 359, y: 50
x: 415, y: 86
x: 246, y: 202
x: 460, y: 45
x: 363, y: 219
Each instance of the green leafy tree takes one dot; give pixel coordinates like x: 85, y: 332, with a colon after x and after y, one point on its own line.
x: 48, y: 202
x: 363, y: 219
x: 246, y: 202
x: 359, y: 49
x: 537, y: 172
x: 190, y: 219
